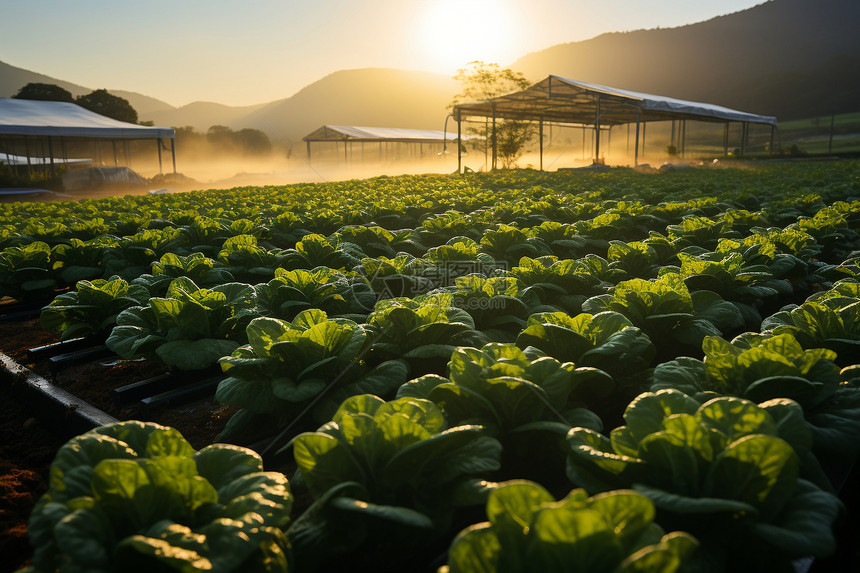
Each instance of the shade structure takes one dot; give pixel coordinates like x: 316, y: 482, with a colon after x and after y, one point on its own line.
x: 62, y: 119
x: 562, y: 100
x: 351, y: 134
x: 332, y: 133
x: 22, y: 121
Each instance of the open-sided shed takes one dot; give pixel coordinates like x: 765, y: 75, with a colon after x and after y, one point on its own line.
x: 565, y: 101
x: 25, y: 125
x: 349, y: 135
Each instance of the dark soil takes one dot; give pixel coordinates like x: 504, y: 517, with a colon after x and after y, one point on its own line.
x: 27, y: 447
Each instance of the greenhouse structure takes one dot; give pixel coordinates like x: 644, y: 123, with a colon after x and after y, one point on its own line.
x: 389, y: 140
x: 38, y: 131
x: 558, y: 100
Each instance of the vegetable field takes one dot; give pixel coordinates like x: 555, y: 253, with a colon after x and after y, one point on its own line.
x: 515, y: 371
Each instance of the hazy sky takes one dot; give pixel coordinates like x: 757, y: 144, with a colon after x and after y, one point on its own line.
x: 250, y: 52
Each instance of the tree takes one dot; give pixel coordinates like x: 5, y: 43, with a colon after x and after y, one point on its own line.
x: 482, y: 81
x: 44, y: 92
x: 108, y: 105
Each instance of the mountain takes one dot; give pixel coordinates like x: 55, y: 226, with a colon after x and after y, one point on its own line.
x: 143, y: 104
x: 376, y: 97
x: 201, y: 115
x: 13, y: 79
x: 789, y: 58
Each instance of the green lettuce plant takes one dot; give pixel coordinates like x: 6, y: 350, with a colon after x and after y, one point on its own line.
x: 564, y: 284
x: 498, y: 305
x: 760, y: 368
x: 316, y: 250
x: 26, y: 271
x: 80, y: 260
x: 291, y: 292
x: 672, y: 317
x: 424, y: 333
x: 135, y: 496
x: 606, y: 340
x: 244, y: 258
x: 190, y: 328
x: 528, y: 530
x: 286, y: 365
x: 196, y: 266
x: 724, y: 470
x: 506, y: 391
x: 386, y: 472
x: 92, y: 308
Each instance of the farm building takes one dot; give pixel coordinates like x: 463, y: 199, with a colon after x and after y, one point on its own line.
x: 380, y: 142
x: 557, y: 100
x: 35, y: 134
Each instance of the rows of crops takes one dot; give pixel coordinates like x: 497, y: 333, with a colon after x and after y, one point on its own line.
x: 681, y: 347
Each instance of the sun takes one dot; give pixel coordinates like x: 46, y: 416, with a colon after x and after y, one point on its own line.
x: 456, y: 32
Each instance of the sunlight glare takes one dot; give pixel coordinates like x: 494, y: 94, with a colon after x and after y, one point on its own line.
x: 456, y: 32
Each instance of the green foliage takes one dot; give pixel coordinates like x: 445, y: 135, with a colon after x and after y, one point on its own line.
x: 92, y: 308
x: 384, y: 471
x: 25, y: 271
x: 528, y: 530
x: 424, y: 333
x: 502, y: 389
x: 105, y: 103
x: 482, y: 81
x: 44, y: 92
x: 606, y: 340
x: 190, y: 328
x: 286, y: 365
x: 722, y: 468
x: 672, y: 317
x: 135, y: 496
x: 761, y: 368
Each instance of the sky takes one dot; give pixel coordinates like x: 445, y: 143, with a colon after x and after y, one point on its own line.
x: 249, y: 52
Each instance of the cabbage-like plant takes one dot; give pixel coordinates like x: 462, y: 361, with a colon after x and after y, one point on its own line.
x: 499, y: 305
x: 637, y: 259
x: 291, y: 292
x: 528, y: 530
x: 510, y: 244
x: 607, y: 340
x: 246, y: 260
x: 425, y: 333
x: 80, y: 260
x: 504, y: 390
x: 316, y: 251
x: 724, y: 470
x: 133, y: 255
x: 672, y: 317
x: 286, y: 365
x: 26, y: 271
x: 762, y: 367
x: 135, y: 496
x: 92, y: 308
x: 190, y: 328
x: 389, y: 472
x: 564, y: 284
x: 196, y: 266
x: 822, y: 323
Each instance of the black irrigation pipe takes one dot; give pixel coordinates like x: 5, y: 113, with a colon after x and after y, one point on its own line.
x: 64, y: 412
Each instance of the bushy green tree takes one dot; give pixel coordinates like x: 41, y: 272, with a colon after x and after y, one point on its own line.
x: 482, y: 81
x: 44, y: 92
x: 109, y: 105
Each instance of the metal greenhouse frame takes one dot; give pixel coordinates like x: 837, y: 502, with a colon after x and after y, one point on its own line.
x: 564, y: 101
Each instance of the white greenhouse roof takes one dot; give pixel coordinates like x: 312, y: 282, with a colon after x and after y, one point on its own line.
x: 562, y: 100
x: 383, y: 134
x: 55, y: 118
